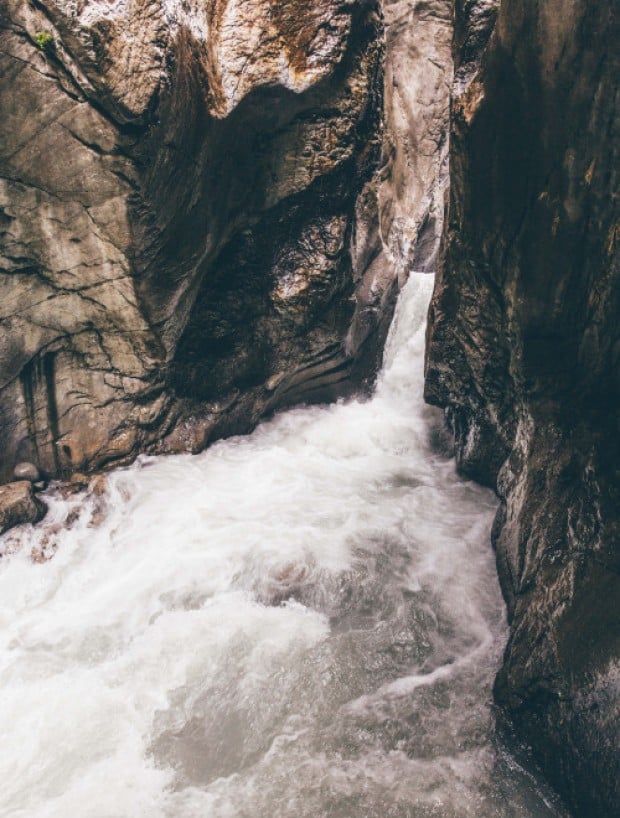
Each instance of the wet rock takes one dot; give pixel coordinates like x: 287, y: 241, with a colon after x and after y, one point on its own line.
x: 44, y: 553
x: 48, y: 544
x: 98, y: 485
x: 74, y: 484
x: 72, y: 517
x: 98, y: 515
x: 19, y: 505
x: 178, y: 191
x: 27, y: 471
x: 274, y: 381
x: 285, y: 582
x: 79, y: 479
x: 99, y: 506
x: 206, y: 200
x: 523, y: 353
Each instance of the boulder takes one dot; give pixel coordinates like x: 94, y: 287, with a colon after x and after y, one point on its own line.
x: 27, y: 471
x: 19, y: 505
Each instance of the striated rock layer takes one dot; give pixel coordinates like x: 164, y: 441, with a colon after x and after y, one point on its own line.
x: 523, y: 350
x: 206, y: 210
x: 180, y: 185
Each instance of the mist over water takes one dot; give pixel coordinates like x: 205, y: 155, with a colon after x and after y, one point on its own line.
x: 300, y: 623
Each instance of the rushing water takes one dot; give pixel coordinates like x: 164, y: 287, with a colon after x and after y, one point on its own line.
x: 304, y: 622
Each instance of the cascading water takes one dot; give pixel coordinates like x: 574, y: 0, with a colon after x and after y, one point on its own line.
x: 303, y: 622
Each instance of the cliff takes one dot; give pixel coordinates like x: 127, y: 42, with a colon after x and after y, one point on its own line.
x: 206, y: 210
x: 180, y: 184
x: 523, y: 352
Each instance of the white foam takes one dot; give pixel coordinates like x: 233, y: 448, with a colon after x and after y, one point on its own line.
x: 204, y: 651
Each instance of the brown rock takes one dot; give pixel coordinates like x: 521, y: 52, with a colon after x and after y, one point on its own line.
x: 76, y: 482
x: 98, y: 485
x: 19, y: 505
x: 191, y: 203
x: 178, y: 186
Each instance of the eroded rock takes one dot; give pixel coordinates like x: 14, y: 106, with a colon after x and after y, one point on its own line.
x: 19, y: 505
x: 523, y: 352
x: 200, y: 200
x: 178, y: 189
x: 27, y: 471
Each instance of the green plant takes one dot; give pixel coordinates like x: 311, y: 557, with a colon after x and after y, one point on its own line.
x: 44, y: 41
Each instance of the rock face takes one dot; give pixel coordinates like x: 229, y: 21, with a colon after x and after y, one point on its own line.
x: 523, y: 351
x: 206, y: 210
x: 19, y: 505
x: 180, y: 189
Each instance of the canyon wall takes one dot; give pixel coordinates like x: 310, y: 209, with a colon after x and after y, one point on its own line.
x: 523, y: 352
x: 206, y: 211
x: 181, y: 188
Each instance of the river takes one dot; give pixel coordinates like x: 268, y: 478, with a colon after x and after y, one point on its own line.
x: 300, y: 623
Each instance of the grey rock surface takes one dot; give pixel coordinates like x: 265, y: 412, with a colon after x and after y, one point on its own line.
x: 206, y: 211
x: 523, y: 352
x: 179, y: 185
x: 399, y: 214
x: 19, y: 505
x: 26, y: 471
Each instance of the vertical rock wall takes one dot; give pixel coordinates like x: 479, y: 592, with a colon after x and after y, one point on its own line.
x: 400, y: 212
x: 179, y: 187
x: 523, y: 351
x: 206, y: 211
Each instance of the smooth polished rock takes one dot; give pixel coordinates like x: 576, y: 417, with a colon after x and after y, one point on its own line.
x: 199, y: 198
x: 26, y: 471
x: 178, y: 189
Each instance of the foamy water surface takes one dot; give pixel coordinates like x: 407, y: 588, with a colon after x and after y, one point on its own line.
x: 302, y: 623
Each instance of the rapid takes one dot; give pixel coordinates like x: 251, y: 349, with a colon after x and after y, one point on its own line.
x: 301, y: 623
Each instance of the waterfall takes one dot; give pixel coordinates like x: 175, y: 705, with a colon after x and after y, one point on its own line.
x: 302, y: 622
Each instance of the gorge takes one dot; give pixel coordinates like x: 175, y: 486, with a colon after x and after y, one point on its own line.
x: 207, y: 210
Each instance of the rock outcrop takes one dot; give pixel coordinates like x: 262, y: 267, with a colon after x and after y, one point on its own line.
x: 206, y: 210
x: 523, y: 351
x: 180, y: 185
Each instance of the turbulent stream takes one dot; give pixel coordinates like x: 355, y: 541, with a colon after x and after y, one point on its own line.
x: 303, y: 622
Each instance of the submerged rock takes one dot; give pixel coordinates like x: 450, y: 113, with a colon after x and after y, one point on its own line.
x: 19, y: 505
